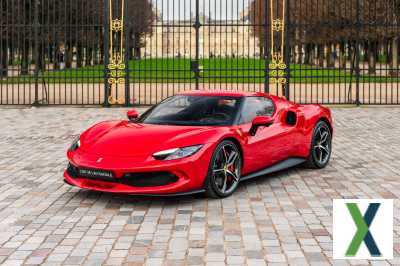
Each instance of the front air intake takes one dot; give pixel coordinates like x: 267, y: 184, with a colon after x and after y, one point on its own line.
x: 153, y: 179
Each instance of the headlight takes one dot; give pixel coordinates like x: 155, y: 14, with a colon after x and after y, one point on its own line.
x: 178, y: 153
x: 76, y: 143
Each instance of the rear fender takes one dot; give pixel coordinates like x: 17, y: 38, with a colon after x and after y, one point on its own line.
x: 312, y: 115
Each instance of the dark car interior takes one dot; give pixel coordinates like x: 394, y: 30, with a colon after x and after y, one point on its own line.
x: 194, y: 110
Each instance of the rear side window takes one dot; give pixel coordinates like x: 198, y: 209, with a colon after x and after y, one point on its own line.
x: 256, y: 106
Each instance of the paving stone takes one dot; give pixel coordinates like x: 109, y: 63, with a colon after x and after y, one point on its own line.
x: 281, y: 219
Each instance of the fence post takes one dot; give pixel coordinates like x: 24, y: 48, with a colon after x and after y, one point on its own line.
x: 266, y: 50
x: 197, y: 26
x: 36, y: 50
x: 127, y: 27
x: 357, y: 51
x: 106, y: 48
x: 287, y: 49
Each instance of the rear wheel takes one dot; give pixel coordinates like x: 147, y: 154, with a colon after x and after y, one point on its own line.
x: 321, y: 146
x: 224, y: 170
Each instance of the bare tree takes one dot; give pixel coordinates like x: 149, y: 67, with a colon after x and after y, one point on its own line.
x: 318, y: 27
x: 75, y: 26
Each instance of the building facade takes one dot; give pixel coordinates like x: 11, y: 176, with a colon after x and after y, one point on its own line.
x: 217, y: 38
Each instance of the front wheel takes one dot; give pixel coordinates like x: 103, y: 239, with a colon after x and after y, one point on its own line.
x: 321, y: 146
x: 224, y: 170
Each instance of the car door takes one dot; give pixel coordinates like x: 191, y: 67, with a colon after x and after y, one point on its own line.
x: 270, y: 144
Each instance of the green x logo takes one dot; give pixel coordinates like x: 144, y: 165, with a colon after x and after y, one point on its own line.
x: 363, y: 234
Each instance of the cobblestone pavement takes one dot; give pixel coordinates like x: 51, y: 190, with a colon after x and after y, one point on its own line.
x: 280, y: 219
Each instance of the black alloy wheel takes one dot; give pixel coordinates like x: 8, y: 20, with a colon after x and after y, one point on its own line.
x: 321, y: 146
x: 224, y: 171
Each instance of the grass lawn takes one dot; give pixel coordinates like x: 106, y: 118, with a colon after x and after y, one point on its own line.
x: 225, y: 70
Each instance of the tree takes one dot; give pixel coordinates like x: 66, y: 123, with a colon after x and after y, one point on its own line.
x: 322, y: 25
x: 74, y: 25
x: 142, y: 11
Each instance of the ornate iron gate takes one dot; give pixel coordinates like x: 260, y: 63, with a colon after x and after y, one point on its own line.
x: 119, y: 52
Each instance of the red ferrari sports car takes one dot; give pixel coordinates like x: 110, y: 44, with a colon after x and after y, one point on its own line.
x: 200, y: 142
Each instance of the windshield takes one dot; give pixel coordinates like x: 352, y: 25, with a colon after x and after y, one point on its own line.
x: 193, y: 111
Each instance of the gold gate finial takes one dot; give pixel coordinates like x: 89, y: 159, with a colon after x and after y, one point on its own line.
x: 117, y: 65
x: 277, y: 66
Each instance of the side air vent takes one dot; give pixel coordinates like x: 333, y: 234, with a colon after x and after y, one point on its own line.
x: 291, y: 118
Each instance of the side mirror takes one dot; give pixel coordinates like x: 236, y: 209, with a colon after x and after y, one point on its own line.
x: 132, y: 115
x: 260, y: 121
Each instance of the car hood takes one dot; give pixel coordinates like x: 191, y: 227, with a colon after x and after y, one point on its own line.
x: 125, y: 139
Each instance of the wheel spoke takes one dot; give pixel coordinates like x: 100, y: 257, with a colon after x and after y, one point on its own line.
x: 225, y: 154
x: 232, y: 158
x: 218, y: 170
x: 320, y: 155
x: 324, y: 137
x: 224, y: 184
x: 320, y: 134
x: 235, y: 177
x: 326, y: 149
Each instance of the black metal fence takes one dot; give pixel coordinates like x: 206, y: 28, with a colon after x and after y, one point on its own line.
x: 125, y: 52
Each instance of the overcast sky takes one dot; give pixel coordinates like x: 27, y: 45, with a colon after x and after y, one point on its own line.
x: 216, y: 9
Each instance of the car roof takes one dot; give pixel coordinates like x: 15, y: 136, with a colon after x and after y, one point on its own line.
x: 222, y: 93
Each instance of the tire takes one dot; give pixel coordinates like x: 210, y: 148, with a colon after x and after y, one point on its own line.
x: 321, y: 146
x: 224, y: 170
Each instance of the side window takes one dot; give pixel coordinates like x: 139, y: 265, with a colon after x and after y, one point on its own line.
x: 256, y: 106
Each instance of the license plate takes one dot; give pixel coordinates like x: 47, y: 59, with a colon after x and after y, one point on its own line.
x: 96, y: 174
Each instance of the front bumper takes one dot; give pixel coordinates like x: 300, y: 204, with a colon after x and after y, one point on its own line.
x: 190, y: 174
x: 155, y: 194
